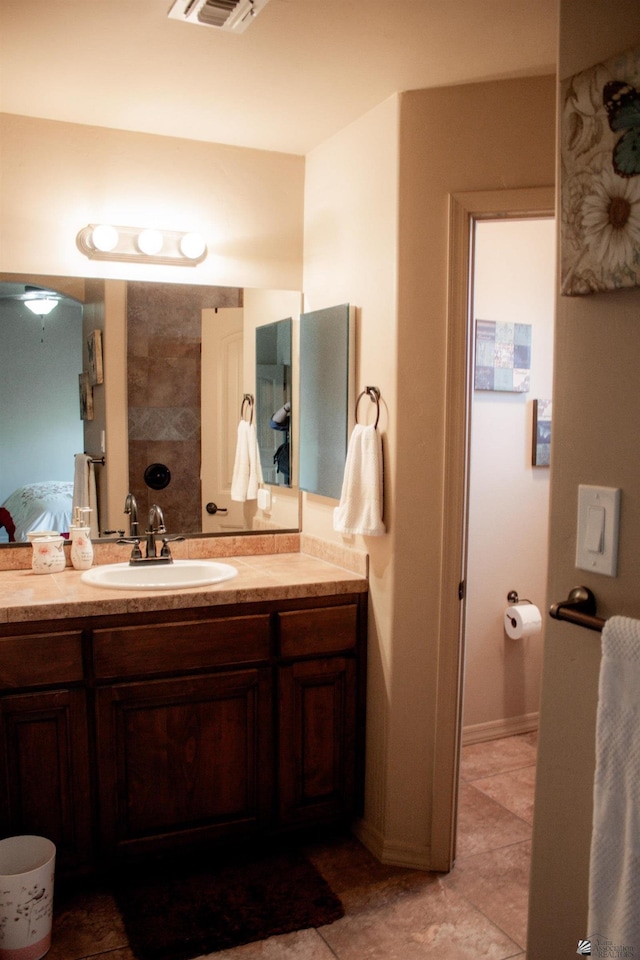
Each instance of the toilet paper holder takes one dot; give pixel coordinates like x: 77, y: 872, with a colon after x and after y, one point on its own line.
x: 513, y: 597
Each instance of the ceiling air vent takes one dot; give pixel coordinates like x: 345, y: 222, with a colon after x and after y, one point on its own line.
x: 234, y: 16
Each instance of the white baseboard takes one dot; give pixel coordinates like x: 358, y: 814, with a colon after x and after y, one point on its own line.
x: 495, y: 729
x: 389, y: 852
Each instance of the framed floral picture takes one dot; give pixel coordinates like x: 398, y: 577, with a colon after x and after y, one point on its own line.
x: 600, y: 177
x: 94, y: 348
x: 86, y: 397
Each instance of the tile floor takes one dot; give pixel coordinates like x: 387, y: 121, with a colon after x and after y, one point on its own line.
x: 479, y: 910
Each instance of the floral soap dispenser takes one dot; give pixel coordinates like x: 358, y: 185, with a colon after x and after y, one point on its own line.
x: 81, y: 546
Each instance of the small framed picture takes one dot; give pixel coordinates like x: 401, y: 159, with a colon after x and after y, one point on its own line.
x: 541, y: 446
x: 94, y: 347
x: 86, y: 397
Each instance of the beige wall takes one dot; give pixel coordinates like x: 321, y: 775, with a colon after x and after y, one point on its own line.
x: 58, y: 177
x: 351, y: 210
x: 389, y: 176
x: 596, y: 440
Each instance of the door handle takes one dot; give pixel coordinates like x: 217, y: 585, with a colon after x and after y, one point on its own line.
x: 214, y: 508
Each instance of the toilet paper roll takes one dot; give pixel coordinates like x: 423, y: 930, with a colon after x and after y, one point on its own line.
x: 523, y: 620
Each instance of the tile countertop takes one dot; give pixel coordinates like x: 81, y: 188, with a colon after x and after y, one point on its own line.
x: 27, y: 596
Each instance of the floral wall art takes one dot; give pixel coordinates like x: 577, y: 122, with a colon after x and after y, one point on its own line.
x: 600, y: 177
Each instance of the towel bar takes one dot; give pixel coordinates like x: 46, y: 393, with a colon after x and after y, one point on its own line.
x: 578, y: 608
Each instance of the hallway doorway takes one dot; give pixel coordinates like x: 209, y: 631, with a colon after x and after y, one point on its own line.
x: 465, y: 211
x: 511, y: 320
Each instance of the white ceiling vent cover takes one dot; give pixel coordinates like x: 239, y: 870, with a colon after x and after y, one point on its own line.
x: 234, y: 16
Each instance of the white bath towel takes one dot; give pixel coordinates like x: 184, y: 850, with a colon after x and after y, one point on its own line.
x: 84, y: 490
x: 360, y: 509
x: 614, y: 882
x: 247, y: 471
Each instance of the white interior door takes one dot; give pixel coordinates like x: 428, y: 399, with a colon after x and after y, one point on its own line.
x: 221, y: 399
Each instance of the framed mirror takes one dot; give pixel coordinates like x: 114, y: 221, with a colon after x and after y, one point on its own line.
x: 327, y: 397
x: 150, y: 414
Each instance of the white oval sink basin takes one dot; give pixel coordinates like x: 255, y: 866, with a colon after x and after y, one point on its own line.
x: 159, y: 576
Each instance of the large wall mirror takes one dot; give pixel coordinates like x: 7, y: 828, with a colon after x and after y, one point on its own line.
x: 177, y: 360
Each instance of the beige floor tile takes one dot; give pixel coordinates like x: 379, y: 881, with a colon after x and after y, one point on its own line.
x: 85, y: 924
x: 514, y: 790
x: 419, y: 919
x: 303, y: 945
x: 497, y: 883
x: 350, y: 869
x: 484, y: 824
x: 498, y: 756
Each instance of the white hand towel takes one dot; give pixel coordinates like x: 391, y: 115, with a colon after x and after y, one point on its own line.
x: 84, y: 490
x: 247, y: 471
x: 614, y: 882
x: 360, y: 509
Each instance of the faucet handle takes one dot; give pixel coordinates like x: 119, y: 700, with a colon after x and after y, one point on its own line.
x: 136, y: 553
x: 166, y: 552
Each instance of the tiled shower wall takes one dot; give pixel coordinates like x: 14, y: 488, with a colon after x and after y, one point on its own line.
x: 163, y: 382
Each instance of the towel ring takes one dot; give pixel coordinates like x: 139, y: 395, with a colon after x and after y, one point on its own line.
x: 374, y: 395
x: 247, y: 398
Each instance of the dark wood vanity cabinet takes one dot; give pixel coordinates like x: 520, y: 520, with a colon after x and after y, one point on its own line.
x: 319, y: 712
x: 44, y: 743
x: 188, y: 727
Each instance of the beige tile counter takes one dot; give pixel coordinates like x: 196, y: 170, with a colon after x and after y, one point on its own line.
x: 26, y: 596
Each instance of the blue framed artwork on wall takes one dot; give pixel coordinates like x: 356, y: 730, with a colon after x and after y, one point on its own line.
x: 503, y: 356
x: 541, y: 447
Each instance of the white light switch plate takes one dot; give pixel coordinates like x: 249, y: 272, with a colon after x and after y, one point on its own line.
x: 598, y: 520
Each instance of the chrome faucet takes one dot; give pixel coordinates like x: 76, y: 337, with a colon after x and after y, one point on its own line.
x: 156, y: 525
x: 131, y: 508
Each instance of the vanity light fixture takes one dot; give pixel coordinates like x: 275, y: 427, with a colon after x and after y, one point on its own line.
x: 141, y: 245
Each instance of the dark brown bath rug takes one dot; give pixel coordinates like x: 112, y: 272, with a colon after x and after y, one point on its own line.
x: 180, y: 908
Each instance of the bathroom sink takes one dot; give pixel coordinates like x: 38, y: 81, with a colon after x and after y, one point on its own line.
x: 159, y: 576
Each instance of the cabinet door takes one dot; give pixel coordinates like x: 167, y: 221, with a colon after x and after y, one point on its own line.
x: 44, y: 773
x: 183, y: 759
x: 318, y: 709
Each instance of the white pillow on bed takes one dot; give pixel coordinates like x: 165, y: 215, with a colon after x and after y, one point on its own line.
x: 41, y: 506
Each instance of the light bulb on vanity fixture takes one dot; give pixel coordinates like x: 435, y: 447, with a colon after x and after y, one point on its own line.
x: 141, y: 245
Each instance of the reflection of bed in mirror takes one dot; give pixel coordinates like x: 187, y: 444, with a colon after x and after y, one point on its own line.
x: 36, y: 506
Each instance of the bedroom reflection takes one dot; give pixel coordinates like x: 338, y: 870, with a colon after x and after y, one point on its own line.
x: 40, y: 427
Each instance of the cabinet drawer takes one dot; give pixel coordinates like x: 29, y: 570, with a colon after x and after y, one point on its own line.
x: 183, y: 646
x: 319, y: 630
x: 40, y: 660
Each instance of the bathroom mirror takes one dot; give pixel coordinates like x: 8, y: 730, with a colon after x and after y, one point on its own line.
x: 273, y: 401
x: 33, y: 454
x: 327, y: 397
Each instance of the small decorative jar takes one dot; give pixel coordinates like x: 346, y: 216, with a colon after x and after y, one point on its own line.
x: 48, y: 554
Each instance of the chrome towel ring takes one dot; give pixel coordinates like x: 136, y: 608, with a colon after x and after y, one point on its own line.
x: 374, y: 395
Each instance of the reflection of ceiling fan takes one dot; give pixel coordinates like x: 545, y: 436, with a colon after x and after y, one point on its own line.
x: 40, y: 300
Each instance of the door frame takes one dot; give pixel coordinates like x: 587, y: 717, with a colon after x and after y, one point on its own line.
x: 464, y: 210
